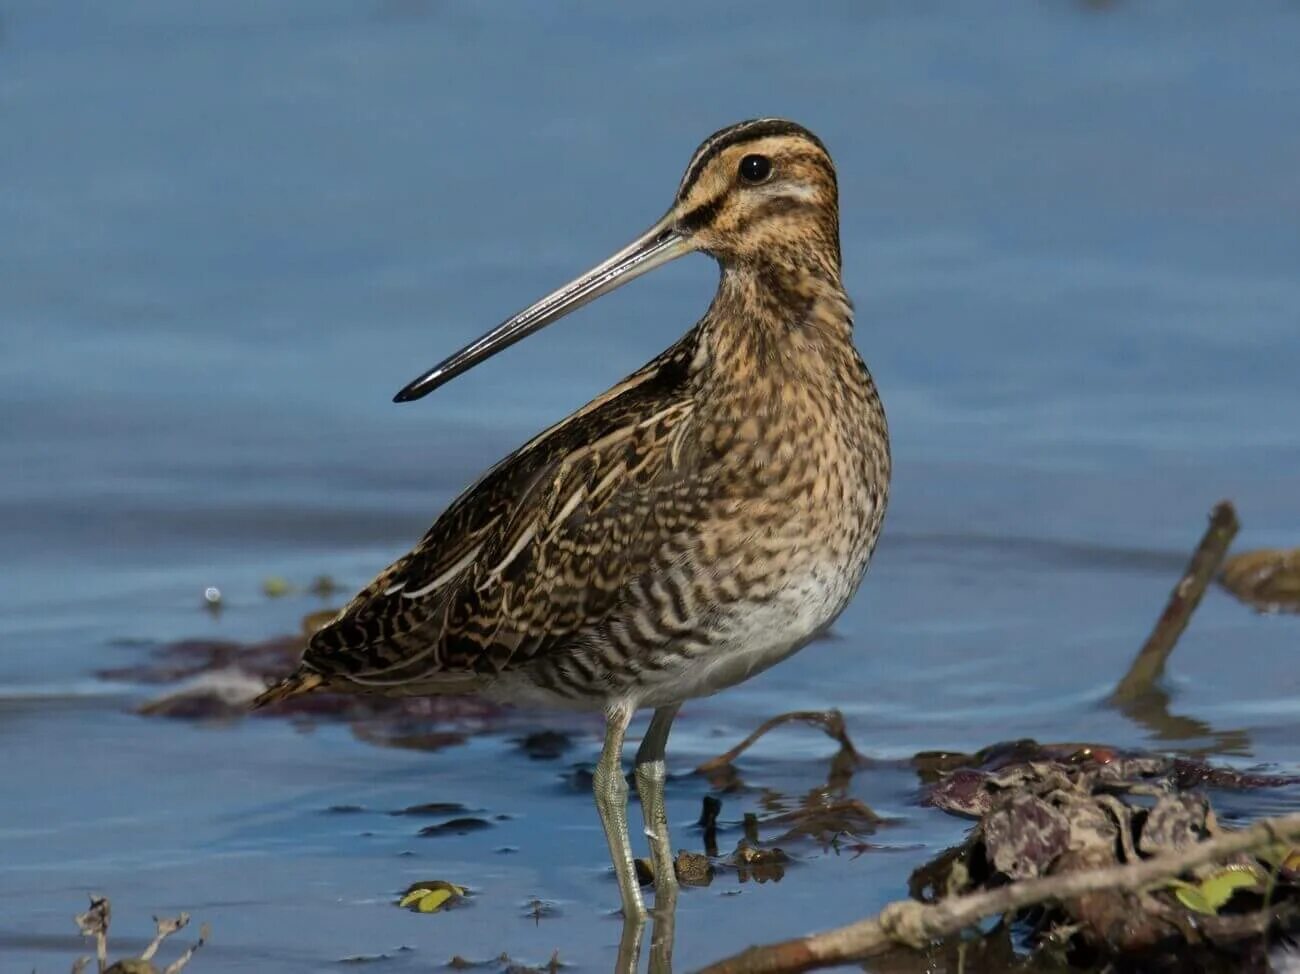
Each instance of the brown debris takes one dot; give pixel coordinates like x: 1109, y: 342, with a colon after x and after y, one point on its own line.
x: 693, y: 869
x: 830, y: 721
x: 1267, y: 580
x: 1024, y: 835
x: 1078, y: 845
x: 545, y: 745
x: 430, y: 809
x: 212, y: 694
x: 1051, y: 818
x: 1176, y: 822
x: 1190, y: 774
x: 504, y: 964
x: 1071, y: 884
x: 210, y: 679
x: 95, y: 922
x: 965, y: 784
x: 759, y: 864
x: 456, y: 826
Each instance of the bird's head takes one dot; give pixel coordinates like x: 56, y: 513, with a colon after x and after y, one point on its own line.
x: 758, y: 193
x: 758, y: 196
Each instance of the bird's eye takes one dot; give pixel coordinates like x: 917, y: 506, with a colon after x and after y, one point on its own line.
x: 755, y: 169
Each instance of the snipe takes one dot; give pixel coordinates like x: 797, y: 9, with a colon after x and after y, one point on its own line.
x: 697, y: 523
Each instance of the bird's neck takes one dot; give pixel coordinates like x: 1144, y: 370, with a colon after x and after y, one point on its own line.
x: 785, y: 404
x: 773, y: 327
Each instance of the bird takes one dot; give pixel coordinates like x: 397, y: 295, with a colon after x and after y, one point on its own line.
x: 697, y: 523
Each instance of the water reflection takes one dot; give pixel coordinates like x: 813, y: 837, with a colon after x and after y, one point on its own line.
x: 1151, y: 712
x: 827, y: 815
x: 663, y: 932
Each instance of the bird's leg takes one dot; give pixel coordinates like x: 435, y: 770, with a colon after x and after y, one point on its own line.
x: 650, y: 774
x: 610, y: 788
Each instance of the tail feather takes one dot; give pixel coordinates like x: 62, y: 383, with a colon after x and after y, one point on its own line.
x: 297, y: 683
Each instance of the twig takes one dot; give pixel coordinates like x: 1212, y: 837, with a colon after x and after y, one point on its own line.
x: 831, y: 721
x: 179, y: 963
x: 1149, y: 663
x: 909, y: 923
x: 94, y: 923
x: 164, y: 929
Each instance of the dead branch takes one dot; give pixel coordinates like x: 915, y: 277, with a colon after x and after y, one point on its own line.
x: 1268, y: 579
x: 913, y: 924
x: 164, y: 929
x: 176, y: 966
x: 1149, y: 663
x: 830, y: 721
x: 94, y: 923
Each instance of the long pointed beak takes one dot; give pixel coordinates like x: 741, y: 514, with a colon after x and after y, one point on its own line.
x: 657, y: 246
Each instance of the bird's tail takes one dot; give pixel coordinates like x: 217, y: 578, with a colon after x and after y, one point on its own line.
x: 295, y: 684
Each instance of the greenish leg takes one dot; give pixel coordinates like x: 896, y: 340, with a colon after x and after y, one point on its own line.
x: 650, y: 775
x: 610, y: 789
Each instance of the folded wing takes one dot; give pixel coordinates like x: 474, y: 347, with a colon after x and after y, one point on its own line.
x: 534, y: 553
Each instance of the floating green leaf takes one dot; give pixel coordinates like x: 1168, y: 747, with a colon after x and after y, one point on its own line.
x: 430, y: 896
x: 274, y: 587
x: 1211, y: 894
x: 1218, y: 889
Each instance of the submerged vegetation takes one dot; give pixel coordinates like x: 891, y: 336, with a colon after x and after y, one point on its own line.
x: 1083, y: 856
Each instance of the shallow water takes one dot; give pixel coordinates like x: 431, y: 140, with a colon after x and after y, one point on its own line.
x: 1072, y: 235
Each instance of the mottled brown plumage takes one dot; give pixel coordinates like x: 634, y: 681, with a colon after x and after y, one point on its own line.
x: 696, y: 523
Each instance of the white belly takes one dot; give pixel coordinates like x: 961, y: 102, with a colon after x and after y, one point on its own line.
x: 745, y: 639
x: 753, y: 638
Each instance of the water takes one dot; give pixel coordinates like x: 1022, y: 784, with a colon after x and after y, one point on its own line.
x: 234, y: 230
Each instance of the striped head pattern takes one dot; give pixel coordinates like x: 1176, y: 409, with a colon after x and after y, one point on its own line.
x: 762, y: 192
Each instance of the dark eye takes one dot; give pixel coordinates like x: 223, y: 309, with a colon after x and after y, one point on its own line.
x: 755, y: 169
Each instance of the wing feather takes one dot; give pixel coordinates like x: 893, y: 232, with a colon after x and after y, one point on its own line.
x: 537, y: 550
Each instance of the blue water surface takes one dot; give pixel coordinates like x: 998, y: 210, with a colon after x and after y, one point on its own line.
x: 231, y: 231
